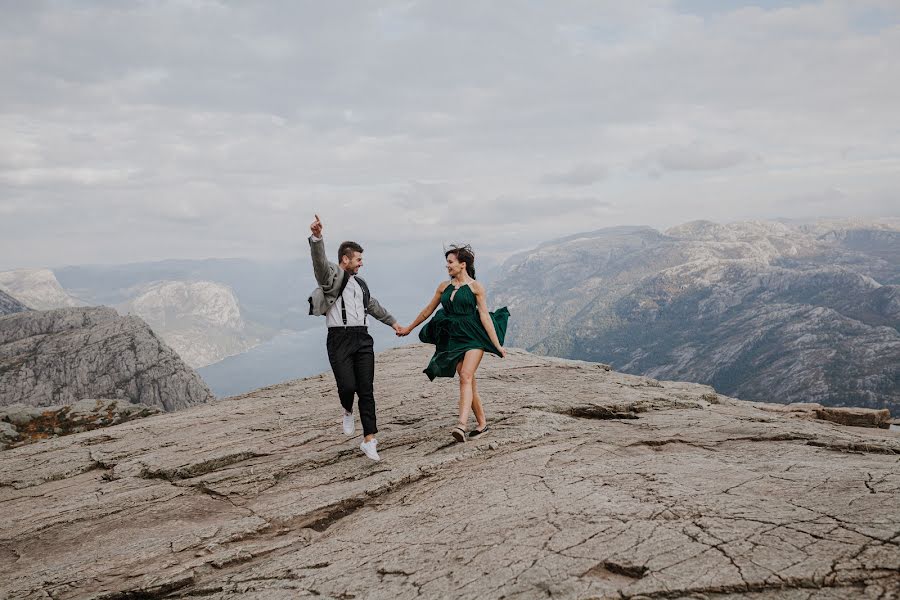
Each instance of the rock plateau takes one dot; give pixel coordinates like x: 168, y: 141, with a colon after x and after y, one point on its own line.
x: 590, y: 484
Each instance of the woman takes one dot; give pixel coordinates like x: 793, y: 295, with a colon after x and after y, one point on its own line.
x: 462, y: 331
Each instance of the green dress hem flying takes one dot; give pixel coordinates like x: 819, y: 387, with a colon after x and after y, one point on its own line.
x: 456, y: 328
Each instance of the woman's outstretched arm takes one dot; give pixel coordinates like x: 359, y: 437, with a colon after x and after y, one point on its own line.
x: 427, y: 311
x: 485, y: 316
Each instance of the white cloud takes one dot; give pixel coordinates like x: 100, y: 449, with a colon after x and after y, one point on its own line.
x: 697, y: 157
x: 64, y: 175
x: 176, y: 128
x: 579, y: 175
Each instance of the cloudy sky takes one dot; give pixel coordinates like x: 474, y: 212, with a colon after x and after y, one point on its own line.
x: 195, y: 128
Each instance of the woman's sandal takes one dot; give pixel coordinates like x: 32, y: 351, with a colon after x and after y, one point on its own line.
x: 458, y: 433
x: 478, y: 432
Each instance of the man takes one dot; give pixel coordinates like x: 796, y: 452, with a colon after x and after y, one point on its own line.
x: 344, y: 299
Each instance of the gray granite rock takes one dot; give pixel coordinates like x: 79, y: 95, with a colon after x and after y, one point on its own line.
x: 590, y: 484
x: 856, y: 417
x: 61, y: 356
x: 9, y: 305
x: 853, y: 417
x: 9, y: 435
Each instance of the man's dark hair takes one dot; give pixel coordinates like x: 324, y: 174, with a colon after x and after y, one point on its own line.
x: 463, y: 254
x: 347, y: 249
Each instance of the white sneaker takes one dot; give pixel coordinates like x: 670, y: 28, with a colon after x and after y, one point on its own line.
x: 369, y: 450
x: 349, y: 423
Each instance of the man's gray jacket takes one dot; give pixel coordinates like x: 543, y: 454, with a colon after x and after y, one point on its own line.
x: 330, y: 278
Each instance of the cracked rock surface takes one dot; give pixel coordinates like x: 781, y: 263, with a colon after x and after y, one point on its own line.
x: 61, y: 356
x: 590, y: 484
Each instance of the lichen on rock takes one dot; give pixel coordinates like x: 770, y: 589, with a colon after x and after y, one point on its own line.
x: 21, y: 424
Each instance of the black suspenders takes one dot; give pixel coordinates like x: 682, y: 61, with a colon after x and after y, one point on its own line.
x: 365, y: 290
x: 341, y: 296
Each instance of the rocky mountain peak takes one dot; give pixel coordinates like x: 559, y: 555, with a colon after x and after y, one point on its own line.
x: 201, y: 320
x: 36, y: 288
x: 164, y: 303
x: 65, y: 355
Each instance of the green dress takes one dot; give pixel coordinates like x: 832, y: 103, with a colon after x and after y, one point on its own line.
x: 456, y: 329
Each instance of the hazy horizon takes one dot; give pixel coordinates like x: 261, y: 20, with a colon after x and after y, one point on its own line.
x: 493, y: 260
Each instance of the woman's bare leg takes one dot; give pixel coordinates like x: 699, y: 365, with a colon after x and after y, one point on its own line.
x: 459, y: 375
x: 466, y: 370
x: 477, y: 408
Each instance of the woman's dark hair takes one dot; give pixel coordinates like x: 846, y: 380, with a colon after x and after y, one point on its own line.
x: 463, y: 254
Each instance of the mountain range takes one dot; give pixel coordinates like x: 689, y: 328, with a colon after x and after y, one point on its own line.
x: 775, y: 311
x: 244, y: 322
x: 270, y: 293
x: 771, y: 311
x: 200, y: 320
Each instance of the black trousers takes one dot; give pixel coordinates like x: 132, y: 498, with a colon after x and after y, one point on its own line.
x: 351, y: 352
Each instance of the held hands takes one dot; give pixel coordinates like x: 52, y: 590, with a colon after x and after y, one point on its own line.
x: 401, y: 331
x: 316, y: 227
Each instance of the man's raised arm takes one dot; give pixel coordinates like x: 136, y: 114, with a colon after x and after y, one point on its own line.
x: 321, y: 268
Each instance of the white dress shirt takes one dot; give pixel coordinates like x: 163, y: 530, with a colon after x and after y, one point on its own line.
x: 353, y: 301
